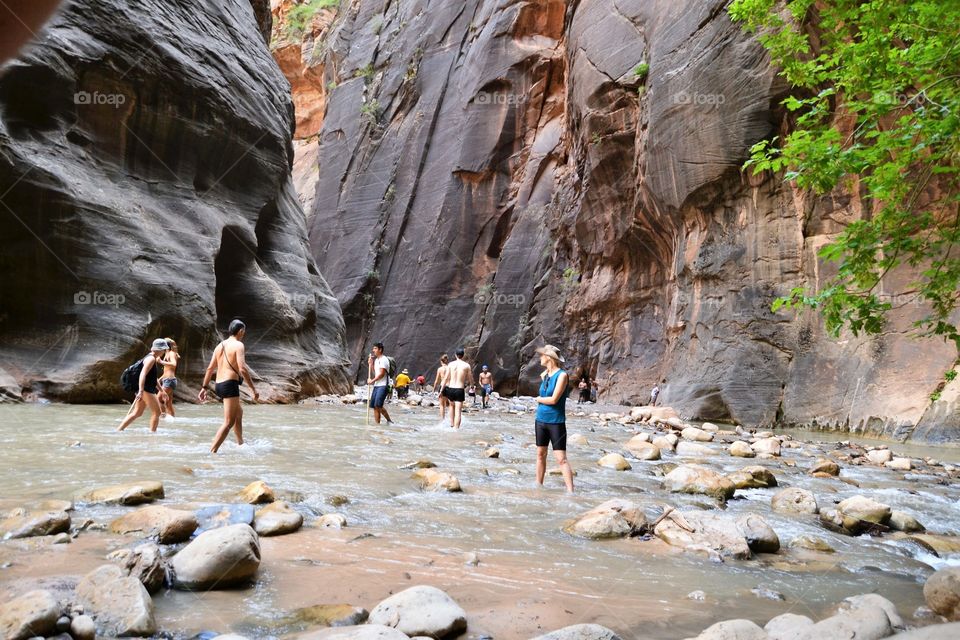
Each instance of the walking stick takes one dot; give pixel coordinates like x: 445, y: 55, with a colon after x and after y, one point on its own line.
x: 368, y: 393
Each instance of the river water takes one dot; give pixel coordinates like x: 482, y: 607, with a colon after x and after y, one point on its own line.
x: 531, y: 576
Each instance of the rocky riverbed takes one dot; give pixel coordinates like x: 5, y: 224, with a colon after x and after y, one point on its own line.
x: 677, y: 530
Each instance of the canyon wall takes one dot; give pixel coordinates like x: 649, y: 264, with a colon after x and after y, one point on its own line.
x: 499, y: 174
x: 145, y: 158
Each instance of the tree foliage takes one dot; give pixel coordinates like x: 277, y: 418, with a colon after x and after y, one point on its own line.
x: 875, y: 109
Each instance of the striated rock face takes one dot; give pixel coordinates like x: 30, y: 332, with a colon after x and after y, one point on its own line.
x: 497, y: 174
x: 145, y: 172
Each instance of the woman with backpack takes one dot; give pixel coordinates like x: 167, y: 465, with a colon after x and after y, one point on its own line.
x: 146, y: 387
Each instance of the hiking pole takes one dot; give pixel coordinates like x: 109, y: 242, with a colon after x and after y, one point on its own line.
x: 368, y: 393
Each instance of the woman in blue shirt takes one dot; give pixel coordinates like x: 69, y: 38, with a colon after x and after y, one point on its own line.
x: 550, y: 425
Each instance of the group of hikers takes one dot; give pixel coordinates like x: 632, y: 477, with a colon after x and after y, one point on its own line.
x: 153, y: 379
x: 454, y: 378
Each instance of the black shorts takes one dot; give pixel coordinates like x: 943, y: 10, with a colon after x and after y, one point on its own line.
x: 228, y: 389
x: 454, y: 395
x: 554, y: 434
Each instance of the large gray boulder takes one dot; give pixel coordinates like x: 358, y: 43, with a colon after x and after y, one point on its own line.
x: 421, y: 611
x: 691, y: 478
x: 218, y: 559
x: 942, y: 593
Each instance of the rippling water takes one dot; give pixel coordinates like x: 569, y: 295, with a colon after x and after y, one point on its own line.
x: 527, y: 564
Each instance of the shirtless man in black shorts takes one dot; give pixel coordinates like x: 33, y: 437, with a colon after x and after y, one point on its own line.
x: 459, y: 374
x: 231, y: 368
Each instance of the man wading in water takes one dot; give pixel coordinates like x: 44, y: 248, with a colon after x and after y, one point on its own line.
x: 551, y: 421
x: 147, y: 389
x: 459, y: 374
x: 231, y: 367
x: 486, y: 385
x: 379, y: 368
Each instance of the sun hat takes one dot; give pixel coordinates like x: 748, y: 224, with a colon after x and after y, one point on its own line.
x: 159, y: 345
x: 485, y: 367
x: 551, y: 352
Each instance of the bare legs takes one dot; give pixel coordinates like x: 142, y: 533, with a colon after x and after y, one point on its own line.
x: 168, y: 392
x: 561, y: 458
x: 443, y: 406
x: 378, y: 411
x: 146, y: 401
x: 232, y: 419
x: 456, y: 413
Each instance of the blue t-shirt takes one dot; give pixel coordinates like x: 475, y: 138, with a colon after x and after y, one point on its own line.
x: 552, y: 413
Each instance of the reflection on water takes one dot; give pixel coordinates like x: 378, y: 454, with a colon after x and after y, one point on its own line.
x: 319, y: 451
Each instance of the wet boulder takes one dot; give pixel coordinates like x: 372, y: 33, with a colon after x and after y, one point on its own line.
x: 694, y: 449
x: 258, y: 492
x: 133, y: 493
x: 144, y: 562
x: 276, y: 519
x: 769, y: 446
x: 421, y: 611
x: 580, y: 632
x: 856, y: 515
x: 901, y: 521
x: 733, y: 630
x: 880, y: 456
x: 32, y: 614
x: 119, y: 604
x: 691, y: 478
x: 741, y: 449
x: 615, y: 518
x: 703, y: 532
x: 696, y: 435
x: 168, y: 525
x: 614, y: 461
x: 218, y: 559
x: 753, y: 477
x: 758, y: 533
x: 794, y: 500
x: 332, y: 521
x: 787, y: 626
x: 666, y: 442
x: 942, y: 593
x: 642, y: 449
x: 216, y: 516
x: 24, y: 523
x: 825, y: 467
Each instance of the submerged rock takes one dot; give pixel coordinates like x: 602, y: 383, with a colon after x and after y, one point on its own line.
x: 434, y: 480
x: 759, y: 534
x: 421, y: 611
x: 900, y: 521
x: 694, y: 449
x: 332, y: 521
x: 218, y: 559
x: 329, y: 615
x: 35, y: 613
x: 811, y: 543
x: 216, y: 516
x: 358, y: 632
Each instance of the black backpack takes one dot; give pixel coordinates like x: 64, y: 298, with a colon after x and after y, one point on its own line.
x: 130, y: 378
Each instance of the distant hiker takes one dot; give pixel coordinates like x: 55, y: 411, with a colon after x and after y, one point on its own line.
x: 421, y: 383
x: 551, y: 420
x: 378, y: 368
x: 486, y: 384
x: 438, y: 385
x: 654, y: 393
x: 584, y: 387
x: 472, y: 392
x: 403, y: 384
x: 168, y: 381
x: 229, y: 363
x: 459, y: 374
x: 146, y: 386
